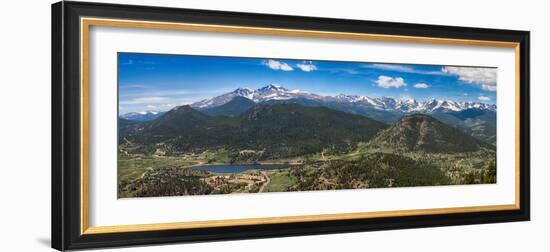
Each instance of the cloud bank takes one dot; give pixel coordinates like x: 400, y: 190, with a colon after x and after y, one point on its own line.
x: 390, y: 82
x: 485, y: 78
x: 277, y: 65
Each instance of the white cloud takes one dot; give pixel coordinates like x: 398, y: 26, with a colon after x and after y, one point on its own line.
x: 485, y: 78
x: 421, y: 85
x: 390, y: 82
x: 401, y: 68
x: 277, y: 65
x: 484, y: 98
x: 306, y: 66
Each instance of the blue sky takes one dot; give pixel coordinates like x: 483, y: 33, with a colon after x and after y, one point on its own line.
x: 160, y: 82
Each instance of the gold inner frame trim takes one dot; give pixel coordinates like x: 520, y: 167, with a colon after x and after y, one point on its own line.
x: 86, y: 23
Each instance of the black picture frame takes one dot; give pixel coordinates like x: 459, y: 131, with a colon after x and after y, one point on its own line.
x: 66, y: 155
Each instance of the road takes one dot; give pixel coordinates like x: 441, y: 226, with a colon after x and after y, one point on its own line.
x: 268, y: 180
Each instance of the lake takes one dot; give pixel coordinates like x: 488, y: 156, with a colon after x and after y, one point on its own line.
x: 237, y: 168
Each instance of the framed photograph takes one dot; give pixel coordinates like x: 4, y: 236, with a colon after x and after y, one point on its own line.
x: 180, y: 125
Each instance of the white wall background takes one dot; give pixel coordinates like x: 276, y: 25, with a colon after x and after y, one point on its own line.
x: 25, y: 125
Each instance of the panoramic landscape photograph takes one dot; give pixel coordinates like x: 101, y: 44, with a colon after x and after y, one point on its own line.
x: 202, y: 125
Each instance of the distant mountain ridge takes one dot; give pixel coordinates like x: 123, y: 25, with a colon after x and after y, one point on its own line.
x: 278, y: 93
x: 142, y: 116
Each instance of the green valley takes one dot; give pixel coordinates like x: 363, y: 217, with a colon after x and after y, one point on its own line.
x: 289, y: 147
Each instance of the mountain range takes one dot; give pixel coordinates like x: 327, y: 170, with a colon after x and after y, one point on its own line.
x: 269, y: 131
x: 274, y: 93
x: 473, y: 118
x: 272, y: 131
x: 278, y: 93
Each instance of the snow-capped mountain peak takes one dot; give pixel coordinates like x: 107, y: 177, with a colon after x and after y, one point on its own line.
x: 276, y: 92
x: 142, y: 115
x: 269, y: 92
x: 244, y: 92
x: 271, y: 87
